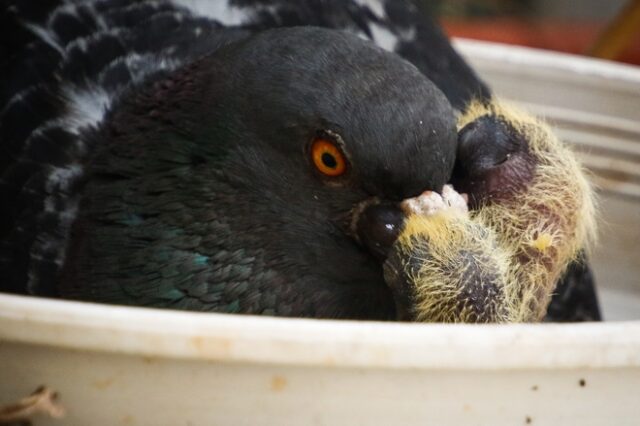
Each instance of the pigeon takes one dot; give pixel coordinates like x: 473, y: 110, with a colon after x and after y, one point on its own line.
x: 244, y: 156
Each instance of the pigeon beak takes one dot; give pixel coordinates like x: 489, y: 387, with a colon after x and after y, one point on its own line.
x: 377, y: 225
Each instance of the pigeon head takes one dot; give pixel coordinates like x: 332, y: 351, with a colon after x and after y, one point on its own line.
x: 290, y: 86
x: 261, y: 178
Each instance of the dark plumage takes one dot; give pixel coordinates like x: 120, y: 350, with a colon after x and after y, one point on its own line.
x: 156, y: 154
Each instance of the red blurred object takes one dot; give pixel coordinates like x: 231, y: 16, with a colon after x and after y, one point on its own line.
x: 569, y: 37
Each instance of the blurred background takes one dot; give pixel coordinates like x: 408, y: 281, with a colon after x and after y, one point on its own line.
x: 609, y: 29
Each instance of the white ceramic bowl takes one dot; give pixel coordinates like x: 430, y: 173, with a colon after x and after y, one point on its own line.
x: 133, y: 366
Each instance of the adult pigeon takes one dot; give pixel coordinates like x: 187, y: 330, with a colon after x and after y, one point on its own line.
x: 230, y: 156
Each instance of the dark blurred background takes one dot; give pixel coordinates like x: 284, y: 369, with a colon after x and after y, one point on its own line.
x: 608, y: 29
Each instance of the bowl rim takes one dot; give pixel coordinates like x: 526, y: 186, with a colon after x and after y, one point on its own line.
x: 615, y: 76
x: 166, y: 334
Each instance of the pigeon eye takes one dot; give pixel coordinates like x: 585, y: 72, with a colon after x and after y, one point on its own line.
x: 328, y: 158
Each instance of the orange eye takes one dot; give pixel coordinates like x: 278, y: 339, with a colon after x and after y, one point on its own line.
x: 328, y: 158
